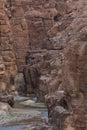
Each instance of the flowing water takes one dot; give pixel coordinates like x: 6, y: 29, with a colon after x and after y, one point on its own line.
x: 16, y: 127
x: 22, y: 124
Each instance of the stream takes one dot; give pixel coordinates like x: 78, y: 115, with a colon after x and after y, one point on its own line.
x: 16, y: 127
x: 20, y: 125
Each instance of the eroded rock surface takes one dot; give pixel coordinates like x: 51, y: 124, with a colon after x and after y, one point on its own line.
x: 36, y: 126
x: 47, y: 42
x: 8, y: 66
x: 73, y: 76
x: 46, y: 21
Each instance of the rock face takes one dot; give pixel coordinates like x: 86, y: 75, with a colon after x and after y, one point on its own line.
x: 57, y: 50
x: 45, y: 19
x: 13, y: 43
x: 7, y: 99
x: 19, y: 30
x: 8, y: 67
x: 71, y: 107
x: 47, y: 42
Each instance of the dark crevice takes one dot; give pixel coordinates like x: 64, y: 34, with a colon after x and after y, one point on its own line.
x: 64, y: 104
x: 57, y: 17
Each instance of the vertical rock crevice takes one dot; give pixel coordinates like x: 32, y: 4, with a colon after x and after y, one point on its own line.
x: 20, y: 32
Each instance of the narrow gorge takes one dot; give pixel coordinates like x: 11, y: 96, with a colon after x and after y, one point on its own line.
x: 43, y: 64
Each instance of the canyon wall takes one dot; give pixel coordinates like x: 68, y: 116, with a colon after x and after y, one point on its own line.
x: 8, y: 66
x: 14, y: 42
x: 19, y: 30
x: 44, y: 45
x: 46, y: 21
x: 68, y: 105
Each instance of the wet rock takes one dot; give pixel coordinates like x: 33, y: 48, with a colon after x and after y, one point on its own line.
x: 7, y: 99
x: 20, y: 98
x: 60, y: 111
x: 4, y: 107
x: 28, y: 102
x: 54, y: 99
x: 36, y: 126
x: 57, y: 107
x: 32, y: 103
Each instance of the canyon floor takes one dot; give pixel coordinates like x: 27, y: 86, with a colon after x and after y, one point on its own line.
x: 24, y: 113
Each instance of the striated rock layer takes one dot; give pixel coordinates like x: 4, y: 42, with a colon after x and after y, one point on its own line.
x: 8, y: 66
x: 19, y: 31
x: 46, y: 21
x: 13, y: 43
x: 55, y: 60
x: 68, y: 106
x: 45, y: 41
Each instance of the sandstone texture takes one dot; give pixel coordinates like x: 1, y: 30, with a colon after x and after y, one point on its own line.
x: 19, y: 31
x: 73, y: 113
x: 46, y: 21
x: 8, y: 66
x: 43, y: 47
x: 56, y: 59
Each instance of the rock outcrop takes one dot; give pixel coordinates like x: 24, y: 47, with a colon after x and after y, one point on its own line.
x: 46, y: 21
x: 71, y: 107
x: 14, y: 42
x: 19, y: 30
x: 8, y: 66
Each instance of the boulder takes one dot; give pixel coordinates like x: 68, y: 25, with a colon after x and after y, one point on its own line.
x: 7, y: 99
x: 32, y: 103
x: 4, y: 106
